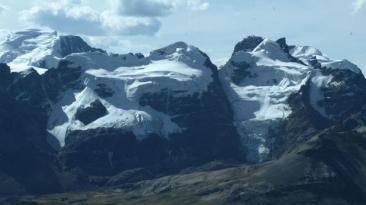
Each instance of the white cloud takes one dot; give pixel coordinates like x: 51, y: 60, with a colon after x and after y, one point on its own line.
x: 122, y: 17
x: 75, y: 16
x: 156, y: 8
x: 357, y: 5
x: 146, y: 8
x: 198, y: 4
x: 129, y: 25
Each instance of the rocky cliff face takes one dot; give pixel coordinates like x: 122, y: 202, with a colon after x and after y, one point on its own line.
x: 27, y: 160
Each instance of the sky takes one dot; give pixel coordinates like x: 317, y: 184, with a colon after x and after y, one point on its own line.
x: 336, y: 27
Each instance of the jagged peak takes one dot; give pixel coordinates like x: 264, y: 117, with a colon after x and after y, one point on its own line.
x: 272, y: 50
x: 63, y: 45
x: 170, y: 49
x: 69, y: 44
x: 248, y: 44
x: 283, y: 44
x: 343, y: 65
x: 307, y: 52
x: 15, y: 40
x: 40, y: 48
x: 179, y: 44
x: 280, y: 50
x: 181, y: 51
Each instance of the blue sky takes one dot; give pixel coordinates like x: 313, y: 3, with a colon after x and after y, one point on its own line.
x: 337, y: 27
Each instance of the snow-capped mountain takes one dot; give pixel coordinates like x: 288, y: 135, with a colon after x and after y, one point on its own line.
x: 39, y: 49
x: 116, y: 82
x: 108, y: 112
x: 118, y: 85
x: 87, y: 118
x: 261, y: 76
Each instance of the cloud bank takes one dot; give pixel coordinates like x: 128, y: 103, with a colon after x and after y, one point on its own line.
x: 124, y: 17
x: 75, y: 16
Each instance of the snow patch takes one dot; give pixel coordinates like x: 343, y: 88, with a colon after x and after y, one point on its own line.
x: 28, y: 48
x: 317, y: 84
x: 342, y: 64
x: 142, y: 121
x: 306, y: 54
x: 96, y: 60
x: 271, y: 49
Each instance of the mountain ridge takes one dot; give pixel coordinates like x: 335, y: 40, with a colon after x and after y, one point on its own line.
x: 106, y: 120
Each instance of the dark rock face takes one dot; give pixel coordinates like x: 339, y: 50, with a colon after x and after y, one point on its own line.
x: 56, y: 80
x: 240, y: 72
x: 286, y: 48
x: 345, y: 95
x: 106, y: 152
x: 27, y: 87
x: 25, y: 155
x: 74, y: 44
x: 315, y: 63
x: 283, y: 44
x: 89, y: 114
x: 5, y: 76
x: 248, y: 44
x: 103, y: 91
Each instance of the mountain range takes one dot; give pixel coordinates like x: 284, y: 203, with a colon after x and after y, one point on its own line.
x: 277, y: 124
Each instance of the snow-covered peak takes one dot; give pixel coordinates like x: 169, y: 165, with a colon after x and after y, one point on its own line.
x: 38, y: 48
x: 265, y: 49
x: 342, y: 64
x: 68, y: 44
x: 248, y: 44
x: 307, y: 52
x: 169, y: 50
x: 27, y: 48
x: 174, y: 50
x: 271, y: 49
x: 310, y: 55
x: 182, y: 52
